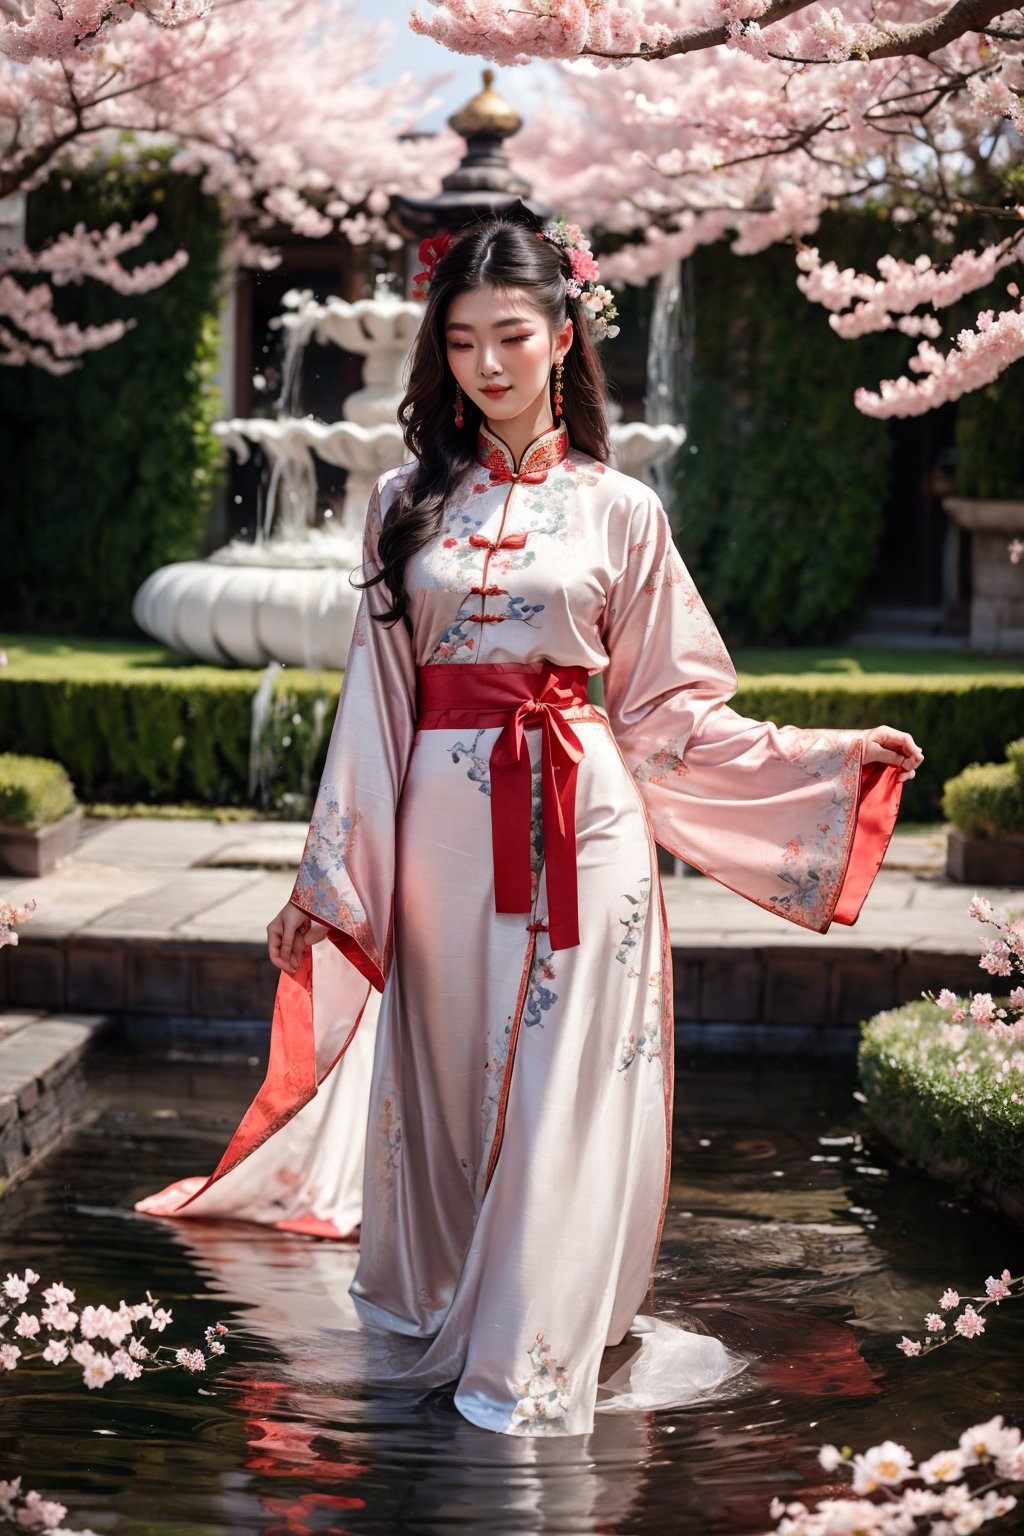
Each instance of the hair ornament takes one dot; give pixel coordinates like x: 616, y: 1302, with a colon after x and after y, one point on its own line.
x: 430, y: 252
x: 596, y: 301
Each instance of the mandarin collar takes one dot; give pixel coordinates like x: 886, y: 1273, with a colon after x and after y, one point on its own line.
x: 542, y: 454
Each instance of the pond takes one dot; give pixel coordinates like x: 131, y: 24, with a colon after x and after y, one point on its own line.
x: 790, y: 1234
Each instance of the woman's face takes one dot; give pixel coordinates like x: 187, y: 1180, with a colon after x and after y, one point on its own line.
x: 501, y: 350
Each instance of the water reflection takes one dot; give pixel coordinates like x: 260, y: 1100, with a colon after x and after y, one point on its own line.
x: 789, y: 1236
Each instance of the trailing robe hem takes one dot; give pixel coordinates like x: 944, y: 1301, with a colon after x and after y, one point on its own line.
x: 493, y: 1075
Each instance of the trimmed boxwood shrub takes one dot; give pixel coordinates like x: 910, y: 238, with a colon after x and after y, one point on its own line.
x: 146, y: 731
x: 178, y: 734
x: 34, y: 792
x: 938, y: 1093
x: 985, y: 800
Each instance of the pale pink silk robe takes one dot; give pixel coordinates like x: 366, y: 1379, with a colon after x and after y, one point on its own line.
x: 517, y: 1109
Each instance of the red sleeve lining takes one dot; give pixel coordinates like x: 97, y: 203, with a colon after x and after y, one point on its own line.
x: 877, y: 808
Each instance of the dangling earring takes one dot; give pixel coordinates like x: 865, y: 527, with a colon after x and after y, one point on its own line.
x: 559, y: 395
x: 460, y: 420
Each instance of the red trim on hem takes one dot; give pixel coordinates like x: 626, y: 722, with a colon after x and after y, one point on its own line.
x: 315, y: 1226
x: 290, y: 1082
x: 878, y: 806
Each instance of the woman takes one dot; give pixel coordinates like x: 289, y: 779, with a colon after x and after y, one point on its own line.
x: 482, y: 851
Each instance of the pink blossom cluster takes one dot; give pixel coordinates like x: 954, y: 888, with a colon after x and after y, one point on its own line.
x: 277, y: 109
x: 753, y: 121
x: 38, y: 336
x: 901, y: 285
x: 540, y: 29
x: 978, y: 357
x: 954, y: 1491
x: 58, y: 1333
x: 11, y: 916
x: 969, y: 1323
x: 29, y: 1511
x: 1001, y: 956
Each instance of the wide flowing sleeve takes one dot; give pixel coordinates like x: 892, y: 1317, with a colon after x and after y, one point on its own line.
x: 346, y: 881
x: 347, y: 875
x: 788, y: 816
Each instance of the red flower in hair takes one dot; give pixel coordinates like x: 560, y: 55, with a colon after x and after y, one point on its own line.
x: 430, y: 252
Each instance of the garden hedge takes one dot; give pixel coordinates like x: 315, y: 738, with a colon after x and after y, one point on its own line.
x: 965, y: 1125
x: 167, y: 732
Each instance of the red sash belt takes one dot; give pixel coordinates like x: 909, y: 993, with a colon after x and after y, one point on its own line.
x: 517, y: 697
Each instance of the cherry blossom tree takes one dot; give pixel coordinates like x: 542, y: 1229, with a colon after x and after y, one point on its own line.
x: 272, y: 105
x: 748, y: 119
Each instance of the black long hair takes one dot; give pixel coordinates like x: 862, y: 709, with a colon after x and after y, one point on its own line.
x: 501, y: 253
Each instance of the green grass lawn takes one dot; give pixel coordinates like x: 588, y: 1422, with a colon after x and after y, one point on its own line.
x: 45, y: 657
x: 68, y: 656
x: 835, y: 663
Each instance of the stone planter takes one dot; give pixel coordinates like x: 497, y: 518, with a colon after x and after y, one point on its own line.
x: 997, y: 586
x: 24, y: 852
x: 985, y: 860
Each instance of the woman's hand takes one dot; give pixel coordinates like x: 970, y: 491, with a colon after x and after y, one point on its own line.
x: 884, y: 744
x: 288, y: 934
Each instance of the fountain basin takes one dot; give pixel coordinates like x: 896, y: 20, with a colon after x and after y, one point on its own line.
x: 251, y: 614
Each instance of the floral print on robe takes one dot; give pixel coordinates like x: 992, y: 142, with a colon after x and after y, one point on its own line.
x: 518, y: 1121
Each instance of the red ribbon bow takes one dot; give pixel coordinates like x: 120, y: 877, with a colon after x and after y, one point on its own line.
x: 561, y: 754
x: 457, y: 695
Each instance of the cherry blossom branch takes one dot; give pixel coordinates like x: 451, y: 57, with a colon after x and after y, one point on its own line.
x: 22, y: 1510
x: 618, y: 32
x: 970, y: 1322
x: 276, y: 126
x: 121, y: 1327
x: 959, y: 1489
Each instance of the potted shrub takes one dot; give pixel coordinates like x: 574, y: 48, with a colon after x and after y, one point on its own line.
x: 985, y: 807
x: 39, y: 814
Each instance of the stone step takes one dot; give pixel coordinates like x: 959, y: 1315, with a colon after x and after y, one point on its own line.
x: 753, y: 975
x: 42, y: 1092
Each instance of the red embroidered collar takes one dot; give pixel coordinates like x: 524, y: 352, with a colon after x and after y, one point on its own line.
x: 541, y: 455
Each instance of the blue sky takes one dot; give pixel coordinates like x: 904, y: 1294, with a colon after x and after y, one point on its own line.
x: 526, y: 88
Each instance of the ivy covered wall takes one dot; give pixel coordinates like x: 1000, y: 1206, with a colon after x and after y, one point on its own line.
x: 784, y: 490
x: 782, y: 483
x: 110, y: 470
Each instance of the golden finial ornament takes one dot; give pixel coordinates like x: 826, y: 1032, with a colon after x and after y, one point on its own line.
x: 486, y: 113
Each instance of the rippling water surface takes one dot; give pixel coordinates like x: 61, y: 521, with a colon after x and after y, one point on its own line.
x: 790, y: 1234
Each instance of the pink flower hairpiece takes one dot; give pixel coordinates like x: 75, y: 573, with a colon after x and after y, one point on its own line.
x: 597, y: 301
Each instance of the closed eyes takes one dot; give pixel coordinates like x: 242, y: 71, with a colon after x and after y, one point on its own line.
x: 465, y: 346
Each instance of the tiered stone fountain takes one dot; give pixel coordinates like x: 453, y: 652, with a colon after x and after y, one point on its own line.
x: 285, y: 595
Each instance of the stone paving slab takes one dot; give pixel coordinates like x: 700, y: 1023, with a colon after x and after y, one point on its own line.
x: 41, y: 1085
